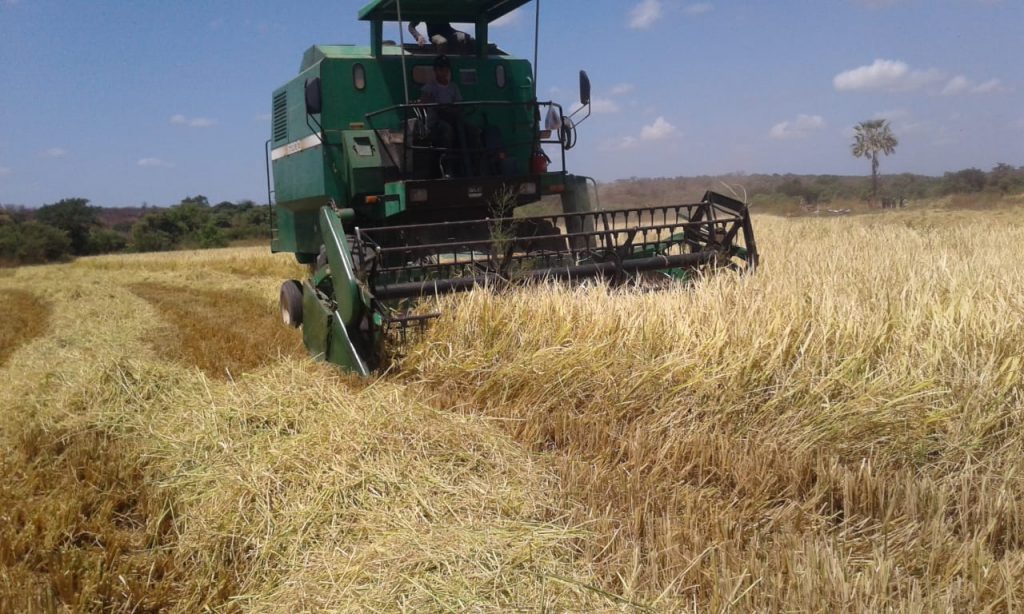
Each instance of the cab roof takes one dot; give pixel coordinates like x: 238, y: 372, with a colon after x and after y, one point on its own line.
x: 464, y: 11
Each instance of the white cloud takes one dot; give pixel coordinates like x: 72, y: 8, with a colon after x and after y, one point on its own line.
x: 699, y: 8
x: 508, y: 19
x: 604, y: 105
x: 263, y: 117
x: 193, y: 122
x: 799, y: 128
x: 55, y: 152
x: 1019, y: 125
x: 962, y: 85
x: 989, y: 87
x: 658, y: 131
x: 622, y: 88
x: 888, y: 75
x: 154, y: 163
x: 957, y: 85
x: 5, y: 170
x: 216, y: 24
x: 645, y: 14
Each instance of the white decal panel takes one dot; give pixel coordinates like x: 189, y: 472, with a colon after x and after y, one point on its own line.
x: 295, y: 147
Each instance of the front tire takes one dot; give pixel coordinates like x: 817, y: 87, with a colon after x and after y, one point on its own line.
x: 291, y: 303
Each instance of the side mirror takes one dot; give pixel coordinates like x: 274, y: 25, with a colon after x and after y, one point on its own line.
x: 314, y: 97
x: 584, y: 88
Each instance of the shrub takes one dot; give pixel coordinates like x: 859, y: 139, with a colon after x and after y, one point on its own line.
x: 75, y: 217
x: 105, y: 241
x: 32, y: 243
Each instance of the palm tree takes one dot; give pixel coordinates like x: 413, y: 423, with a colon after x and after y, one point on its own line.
x: 871, y: 138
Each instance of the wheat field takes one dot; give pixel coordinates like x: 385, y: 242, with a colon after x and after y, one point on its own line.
x: 841, y: 431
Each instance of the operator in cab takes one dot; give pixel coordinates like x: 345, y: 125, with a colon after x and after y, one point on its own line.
x: 449, y: 131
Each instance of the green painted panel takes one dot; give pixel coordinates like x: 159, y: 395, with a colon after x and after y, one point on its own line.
x: 346, y: 288
x: 325, y: 337
x: 394, y: 207
x: 316, y: 323
x: 297, y: 227
x: 343, y: 352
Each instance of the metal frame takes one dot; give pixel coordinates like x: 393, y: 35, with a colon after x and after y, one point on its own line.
x: 609, y: 244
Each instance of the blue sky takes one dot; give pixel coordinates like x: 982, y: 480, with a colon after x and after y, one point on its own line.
x: 146, y: 101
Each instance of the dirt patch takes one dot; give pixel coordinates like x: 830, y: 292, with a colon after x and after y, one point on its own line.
x: 25, y: 317
x: 82, y: 527
x: 223, y: 333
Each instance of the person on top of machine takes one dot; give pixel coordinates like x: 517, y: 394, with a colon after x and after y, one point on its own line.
x: 441, y: 33
x: 448, y: 130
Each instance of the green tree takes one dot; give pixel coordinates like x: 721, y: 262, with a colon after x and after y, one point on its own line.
x: 198, y: 199
x: 190, y: 223
x: 155, y: 232
x: 105, y: 241
x: 1005, y: 178
x: 872, y: 138
x: 806, y: 194
x: 32, y: 243
x: 968, y: 180
x: 75, y: 217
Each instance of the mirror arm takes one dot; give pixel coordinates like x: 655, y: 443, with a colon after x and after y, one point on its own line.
x: 582, y: 119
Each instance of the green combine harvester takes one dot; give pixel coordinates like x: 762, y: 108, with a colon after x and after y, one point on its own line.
x: 390, y: 200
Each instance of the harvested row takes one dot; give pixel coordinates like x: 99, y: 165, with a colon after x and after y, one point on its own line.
x: 84, y: 527
x: 222, y: 333
x: 24, y: 318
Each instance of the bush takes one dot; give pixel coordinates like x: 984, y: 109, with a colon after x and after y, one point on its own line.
x: 105, y: 241
x: 969, y: 180
x: 188, y: 224
x: 154, y: 233
x: 1006, y: 179
x: 75, y: 217
x: 32, y: 243
x: 206, y: 236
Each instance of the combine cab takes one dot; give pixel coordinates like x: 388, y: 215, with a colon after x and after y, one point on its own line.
x: 385, y: 213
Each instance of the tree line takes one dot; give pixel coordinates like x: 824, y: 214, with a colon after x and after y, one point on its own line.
x: 782, y: 192
x: 73, y: 227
